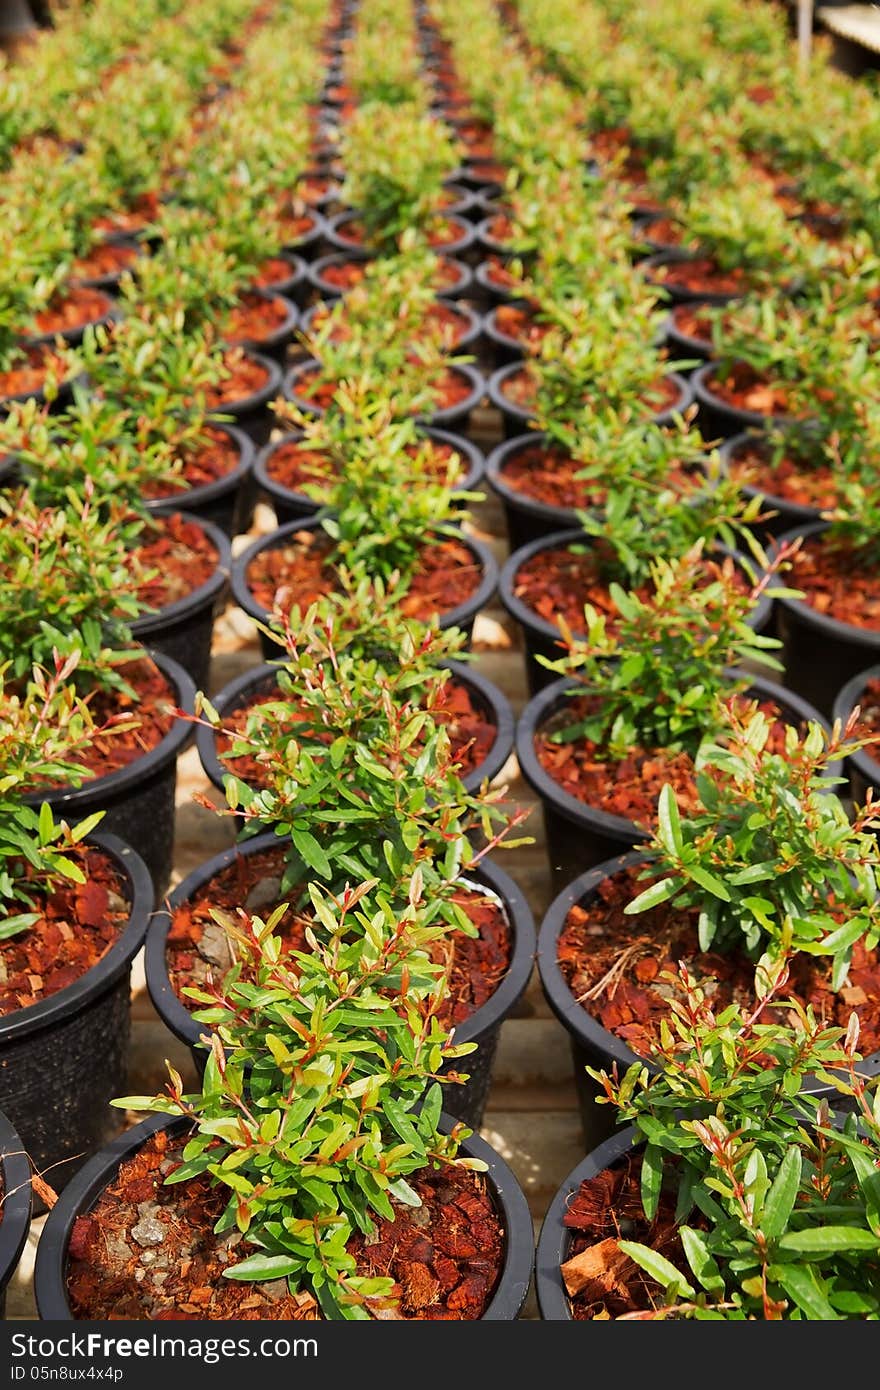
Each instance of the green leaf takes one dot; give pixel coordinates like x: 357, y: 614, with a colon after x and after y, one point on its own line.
x: 262, y: 1266
x: 652, y: 1178
x: 705, y: 1269
x: 708, y: 881
x: 782, y: 1194
x: 659, y: 1268
x: 46, y: 823
x: 799, y: 1282
x: 312, y: 853
x: 669, y: 822
x: 651, y: 897
x: 825, y: 1240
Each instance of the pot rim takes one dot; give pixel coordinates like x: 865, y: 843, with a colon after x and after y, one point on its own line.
x: 210, y: 492
x: 510, y: 410
x: 245, y: 404
x: 83, y: 1189
x: 279, y: 336
x: 473, y: 321
x: 455, y: 617
x: 205, y: 594
x: 463, y: 242
x: 469, y: 451
x: 544, y: 704
x: 866, y: 637
x: 111, y: 784
x: 178, y: 1019
x: 847, y: 697
x: 706, y: 397
x: 800, y: 513
x: 227, y: 700
x: 17, y: 1199
x: 542, y: 627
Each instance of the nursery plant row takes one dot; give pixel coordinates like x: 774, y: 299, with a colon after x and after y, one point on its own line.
x: 246, y: 277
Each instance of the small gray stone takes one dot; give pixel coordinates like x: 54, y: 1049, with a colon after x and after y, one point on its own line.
x: 119, y: 1250
x: 214, y: 946
x: 158, y: 1277
x: 274, y: 1289
x: 139, y: 1275
x: 267, y: 890
x: 148, y: 1231
x: 148, y: 1257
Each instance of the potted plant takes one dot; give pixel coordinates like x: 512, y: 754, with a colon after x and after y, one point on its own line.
x: 767, y: 862
x: 734, y: 1194
x: 76, y: 903
x: 635, y: 701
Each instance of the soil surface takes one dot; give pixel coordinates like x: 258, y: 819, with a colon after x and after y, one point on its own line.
x: 602, y: 1281
x: 743, y: 387
x: 71, y: 308
x: 702, y: 275
x: 789, y: 479
x: 615, y: 967
x: 521, y: 389
x: 295, y: 465
x: 256, y: 318
x: 245, y: 378
x: 78, y: 924
x: 206, y: 463
x: 630, y: 786
x: 30, y: 374
x: 183, y: 555
x: 447, y: 574
x: 107, y: 258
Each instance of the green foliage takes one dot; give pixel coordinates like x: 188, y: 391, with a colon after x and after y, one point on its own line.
x: 770, y: 860
x: 777, y: 1195
x: 319, y: 1098
x: 396, y: 159
x: 660, y: 676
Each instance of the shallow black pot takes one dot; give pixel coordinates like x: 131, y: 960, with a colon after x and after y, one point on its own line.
x: 717, y: 417
x: 463, y: 244
x: 462, y: 616
x: 504, y: 348
x: 138, y: 799
x: 555, y: 1237
x: 274, y: 344
x: 591, y: 1044
x: 50, y: 1288
x: 63, y: 1059
x: 864, y: 766
x: 488, y: 698
x: 684, y: 346
x: 579, y: 835
x: 541, y: 637
x: 819, y: 652
x: 310, y: 243
x: 289, y: 505
x: 227, y: 503
x: 74, y: 336
x: 679, y: 294
x: 487, y: 291
x: 461, y: 287
x: 295, y: 284
x: 469, y: 342
x: 17, y: 1203
x: 251, y: 413
x: 453, y: 417
x: 466, y: 1101
x: 788, y: 516
x: 110, y: 282
x: 517, y: 419
x: 184, y: 630
x: 527, y: 519
x: 59, y: 402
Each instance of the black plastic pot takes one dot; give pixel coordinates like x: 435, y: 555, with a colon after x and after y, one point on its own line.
x: 15, y: 1219
x: 138, y: 799
x: 83, y: 1193
x: 504, y: 348
x: 579, y: 835
x: 228, y: 503
x: 274, y: 344
x: 463, y: 244
x: 489, y: 291
x: 327, y: 203
x: 310, y: 243
x: 491, y: 244
x: 819, y: 652
x: 864, y: 766
x: 472, y: 329
x: 679, y: 294
x: 462, y: 616
x: 295, y: 284
x: 459, y: 288
x: 290, y: 505
x: 467, y: 1101
x: 184, y: 630
x: 717, y: 417
x: 452, y: 417
x: 684, y: 346
x: 264, y: 678
x: 74, y: 336
x: 109, y: 283
x: 788, y: 516
x: 517, y: 418
x: 59, y: 402
x: 251, y: 413
x: 526, y: 518
x: 541, y: 637
x: 62, y: 1060
x: 555, y: 1237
